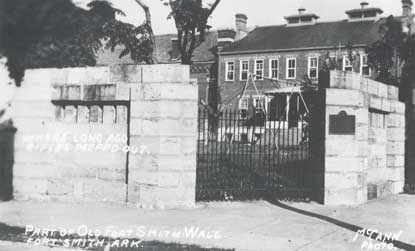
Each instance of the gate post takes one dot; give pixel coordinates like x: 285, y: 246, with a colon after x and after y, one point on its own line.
x: 317, y: 143
x: 7, y: 132
x: 365, y: 140
x: 163, y: 120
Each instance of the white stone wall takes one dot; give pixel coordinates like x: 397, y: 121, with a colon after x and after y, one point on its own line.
x: 372, y: 160
x: 163, y: 117
x: 43, y: 169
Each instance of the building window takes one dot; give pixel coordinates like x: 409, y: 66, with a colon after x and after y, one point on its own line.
x: 313, y: 67
x: 230, y: 71
x: 291, y: 68
x: 273, y: 68
x: 259, y: 69
x: 364, y: 67
x: 244, y: 69
x: 243, y: 108
x: 347, y: 64
x: 259, y: 104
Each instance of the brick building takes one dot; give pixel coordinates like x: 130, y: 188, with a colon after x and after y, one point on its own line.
x: 204, y: 67
x: 291, y: 53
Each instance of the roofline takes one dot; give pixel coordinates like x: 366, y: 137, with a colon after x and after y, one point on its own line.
x: 286, y: 50
x: 179, y: 62
x: 203, y: 61
x: 321, y: 22
x: 378, y: 10
x: 302, y: 15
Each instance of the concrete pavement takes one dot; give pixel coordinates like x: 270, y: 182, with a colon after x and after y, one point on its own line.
x: 249, y: 226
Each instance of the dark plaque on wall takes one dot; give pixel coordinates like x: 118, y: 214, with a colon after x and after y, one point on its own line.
x: 342, y: 124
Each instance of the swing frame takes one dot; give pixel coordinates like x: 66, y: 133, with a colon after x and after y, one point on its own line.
x: 251, y: 77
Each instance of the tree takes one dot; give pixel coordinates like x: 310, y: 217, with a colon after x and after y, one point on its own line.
x: 191, y: 18
x: 149, y: 27
x: 384, y: 54
x: 56, y: 33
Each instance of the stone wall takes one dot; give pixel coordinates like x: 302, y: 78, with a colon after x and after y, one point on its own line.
x: 370, y: 162
x: 118, y: 134
x: 164, y: 118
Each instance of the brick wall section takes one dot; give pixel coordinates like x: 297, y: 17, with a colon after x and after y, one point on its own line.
x: 230, y: 89
x: 371, y: 162
x: 163, y: 120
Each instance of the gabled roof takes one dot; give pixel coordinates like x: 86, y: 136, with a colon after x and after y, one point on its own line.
x: 163, y: 51
x: 320, y: 35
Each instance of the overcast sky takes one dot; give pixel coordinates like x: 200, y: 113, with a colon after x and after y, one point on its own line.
x: 260, y: 12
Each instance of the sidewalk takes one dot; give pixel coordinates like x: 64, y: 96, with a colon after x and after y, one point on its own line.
x: 12, y: 246
x: 251, y: 226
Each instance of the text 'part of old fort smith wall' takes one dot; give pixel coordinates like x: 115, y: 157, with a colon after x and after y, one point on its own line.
x: 366, y: 160
x: 117, y: 134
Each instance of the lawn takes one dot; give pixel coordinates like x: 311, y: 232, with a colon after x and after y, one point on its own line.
x: 241, y: 171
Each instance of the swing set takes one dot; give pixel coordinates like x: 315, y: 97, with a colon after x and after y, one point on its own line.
x: 229, y: 136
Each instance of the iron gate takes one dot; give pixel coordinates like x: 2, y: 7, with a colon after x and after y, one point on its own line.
x: 267, y: 153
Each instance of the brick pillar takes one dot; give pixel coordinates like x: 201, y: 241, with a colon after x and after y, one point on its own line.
x: 164, y: 122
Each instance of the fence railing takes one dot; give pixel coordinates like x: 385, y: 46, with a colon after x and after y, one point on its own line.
x: 241, y: 157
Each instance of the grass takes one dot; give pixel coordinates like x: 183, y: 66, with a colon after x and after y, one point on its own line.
x: 240, y: 171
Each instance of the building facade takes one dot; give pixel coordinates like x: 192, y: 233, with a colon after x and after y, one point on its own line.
x: 204, y: 66
x: 282, y: 58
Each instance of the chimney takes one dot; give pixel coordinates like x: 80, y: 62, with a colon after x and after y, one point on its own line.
x: 241, y: 26
x: 364, y: 13
x: 407, y: 8
x: 364, y: 4
x: 302, y: 18
x: 408, y: 16
x: 225, y: 37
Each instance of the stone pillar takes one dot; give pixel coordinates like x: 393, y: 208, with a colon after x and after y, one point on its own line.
x: 368, y: 162
x: 346, y: 155
x: 164, y: 123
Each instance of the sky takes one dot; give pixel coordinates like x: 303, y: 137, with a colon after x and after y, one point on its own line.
x: 259, y: 12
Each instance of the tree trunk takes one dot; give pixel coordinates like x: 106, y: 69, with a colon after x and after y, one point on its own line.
x: 150, y: 27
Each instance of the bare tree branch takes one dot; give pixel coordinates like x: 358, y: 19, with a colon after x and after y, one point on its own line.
x: 146, y: 10
x: 214, y: 7
x: 191, y: 18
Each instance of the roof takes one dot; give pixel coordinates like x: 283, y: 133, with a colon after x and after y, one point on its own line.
x: 288, y: 89
x: 319, y: 35
x: 163, y: 51
x: 302, y: 15
x: 378, y: 10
